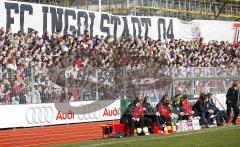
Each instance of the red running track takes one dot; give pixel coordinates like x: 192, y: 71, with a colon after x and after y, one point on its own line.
x: 43, y: 136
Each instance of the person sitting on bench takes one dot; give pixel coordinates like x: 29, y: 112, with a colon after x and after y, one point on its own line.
x: 176, y: 108
x: 215, y: 110
x: 149, y: 112
x: 186, y: 108
x: 163, y: 112
x: 137, y: 117
x: 201, y: 109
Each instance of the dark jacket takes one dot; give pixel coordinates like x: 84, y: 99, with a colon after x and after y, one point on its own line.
x: 212, y: 105
x: 148, y: 109
x: 200, y: 106
x: 176, y: 108
x: 232, y: 95
x: 203, y: 106
x: 127, y: 115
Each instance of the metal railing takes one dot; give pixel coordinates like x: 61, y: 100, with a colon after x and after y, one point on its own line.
x: 31, y: 85
x: 182, y: 9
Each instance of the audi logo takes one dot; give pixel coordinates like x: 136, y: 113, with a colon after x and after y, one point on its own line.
x: 90, y: 112
x: 39, y: 115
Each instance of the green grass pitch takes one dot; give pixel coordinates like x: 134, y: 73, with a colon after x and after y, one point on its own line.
x: 212, y: 137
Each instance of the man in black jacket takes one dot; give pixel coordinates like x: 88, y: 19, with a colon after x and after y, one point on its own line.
x: 201, y: 108
x: 232, y: 101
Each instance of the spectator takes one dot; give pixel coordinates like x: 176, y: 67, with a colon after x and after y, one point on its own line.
x: 28, y: 97
x: 2, y: 94
x: 48, y: 55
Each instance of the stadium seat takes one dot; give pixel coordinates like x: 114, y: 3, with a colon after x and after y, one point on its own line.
x: 112, y: 129
x: 155, y: 129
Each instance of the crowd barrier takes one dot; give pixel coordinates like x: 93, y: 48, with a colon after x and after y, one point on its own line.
x: 13, y: 116
x: 29, y: 115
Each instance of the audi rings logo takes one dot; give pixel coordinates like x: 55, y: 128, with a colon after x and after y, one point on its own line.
x: 39, y: 115
x: 90, y: 112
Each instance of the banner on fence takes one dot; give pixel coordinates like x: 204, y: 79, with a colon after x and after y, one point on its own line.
x: 46, y: 114
x: 27, y: 16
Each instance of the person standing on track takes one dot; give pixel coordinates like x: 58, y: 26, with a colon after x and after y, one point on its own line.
x: 233, y: 101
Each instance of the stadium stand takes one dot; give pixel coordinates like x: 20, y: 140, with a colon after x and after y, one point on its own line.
x: 25, y: 53
x: 61, y: 68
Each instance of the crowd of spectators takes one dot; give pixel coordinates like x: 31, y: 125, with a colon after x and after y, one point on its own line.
x: 49, y: 59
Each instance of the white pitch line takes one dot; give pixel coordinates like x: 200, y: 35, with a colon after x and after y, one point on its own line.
x: 161, y: 137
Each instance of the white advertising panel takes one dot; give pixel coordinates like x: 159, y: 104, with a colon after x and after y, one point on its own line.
x: 49, y: 114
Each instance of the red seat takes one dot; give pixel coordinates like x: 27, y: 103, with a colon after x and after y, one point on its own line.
x: 155, y: 129
x: 116, y: 128
x: 112, y: 129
